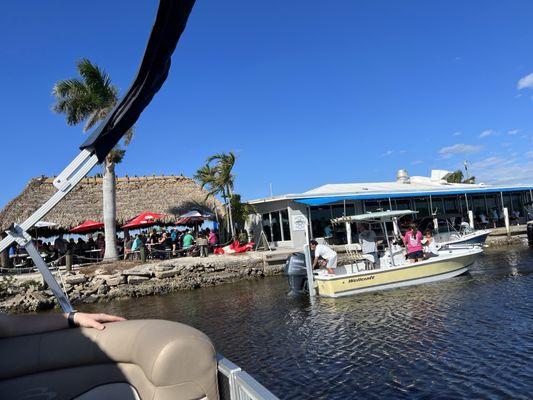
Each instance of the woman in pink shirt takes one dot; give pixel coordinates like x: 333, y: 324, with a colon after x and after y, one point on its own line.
x: 413, y: 241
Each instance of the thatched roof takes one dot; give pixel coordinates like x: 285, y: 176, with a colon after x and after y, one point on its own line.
x: 172, y: 195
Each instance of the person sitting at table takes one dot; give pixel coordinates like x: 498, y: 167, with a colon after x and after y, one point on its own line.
x: 212, y: 239
x: 174, y: 240
x: 136, y: 245
x: 202, y: 243
x: 60, y: 248
x: 91, y: 245
x: 188, y: 241
x: 163, y: 244
x: 128, y: 243
x: 100, y: 244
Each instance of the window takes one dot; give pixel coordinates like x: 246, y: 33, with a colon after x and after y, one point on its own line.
x: 320, y: 218
x: 451, y: 206
x: 337, y: 210
x: 276, y: 227
x: 266, y: 226
x: 402, y: 204
x: 285, y: 225
x: 422, y: 206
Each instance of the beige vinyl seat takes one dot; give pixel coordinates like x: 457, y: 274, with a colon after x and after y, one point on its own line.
x: 146, y: 359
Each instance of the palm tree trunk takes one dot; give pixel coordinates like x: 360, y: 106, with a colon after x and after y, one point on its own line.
x: 110, y: 211
x: 232, y: 230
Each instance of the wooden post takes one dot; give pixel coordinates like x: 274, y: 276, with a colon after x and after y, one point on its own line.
x: 143, y: 253
x: 68, y: 260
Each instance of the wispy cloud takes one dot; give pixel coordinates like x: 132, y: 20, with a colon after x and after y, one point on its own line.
x: 457, y: 133
x: 388, y: 153
x: 497, y: 170
x: 513, y: 131
x: 487, y: 133
x: 417, y: 162
x: 525, y: 82
x: 529, y: 154
x: 459, y: 148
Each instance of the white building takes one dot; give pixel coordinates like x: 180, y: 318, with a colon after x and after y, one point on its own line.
x: 280, y: 217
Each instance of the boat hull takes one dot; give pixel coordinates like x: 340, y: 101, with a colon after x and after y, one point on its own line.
x: 412, y: 274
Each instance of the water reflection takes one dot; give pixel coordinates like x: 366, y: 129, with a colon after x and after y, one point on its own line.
x: 467, y: 337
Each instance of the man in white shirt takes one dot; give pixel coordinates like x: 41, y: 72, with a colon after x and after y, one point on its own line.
x: 367, y: 239
x: 326, y: 252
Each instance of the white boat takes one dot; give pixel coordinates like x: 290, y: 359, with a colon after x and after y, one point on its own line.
x: 446, y: 234
x: 392, y: 270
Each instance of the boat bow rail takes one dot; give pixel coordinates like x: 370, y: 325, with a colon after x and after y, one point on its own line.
x: 236, y: 384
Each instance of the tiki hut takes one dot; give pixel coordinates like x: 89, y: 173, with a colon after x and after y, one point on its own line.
x: 171, y: 195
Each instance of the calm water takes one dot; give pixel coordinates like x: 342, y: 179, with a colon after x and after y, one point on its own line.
x: 468, y: 337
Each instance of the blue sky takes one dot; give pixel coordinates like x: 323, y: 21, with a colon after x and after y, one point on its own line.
x: 305, y: 92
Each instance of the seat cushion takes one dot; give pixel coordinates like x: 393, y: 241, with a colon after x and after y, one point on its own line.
x: 160, y: 359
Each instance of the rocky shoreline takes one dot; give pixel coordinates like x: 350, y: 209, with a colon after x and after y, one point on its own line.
x: 122, y: 280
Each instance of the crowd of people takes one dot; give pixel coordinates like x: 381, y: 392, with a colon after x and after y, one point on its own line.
x: 165, y: 244
x: 158, y: 243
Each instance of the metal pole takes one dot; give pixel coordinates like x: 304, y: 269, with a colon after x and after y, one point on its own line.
x: 309, y: 267
x: 348, y: 232
x: 388, y: 244
x: 310, y: 224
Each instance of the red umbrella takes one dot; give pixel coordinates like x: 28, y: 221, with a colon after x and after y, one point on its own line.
x: 87, y: 226
x: 142, y: 220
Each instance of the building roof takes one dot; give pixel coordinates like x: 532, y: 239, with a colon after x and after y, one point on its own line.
x: 413, y: 187
x: 171, y: 195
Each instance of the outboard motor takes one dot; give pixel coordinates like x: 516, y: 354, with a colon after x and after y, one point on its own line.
x: 296, y: 271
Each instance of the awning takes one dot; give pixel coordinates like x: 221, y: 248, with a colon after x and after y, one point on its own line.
x: 193, y: 217
x: 317, y: 201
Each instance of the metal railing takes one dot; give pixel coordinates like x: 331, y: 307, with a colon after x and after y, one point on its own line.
x: 236, y: 384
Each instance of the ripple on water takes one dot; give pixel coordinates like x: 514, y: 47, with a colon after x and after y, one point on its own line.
x: 467, y: 337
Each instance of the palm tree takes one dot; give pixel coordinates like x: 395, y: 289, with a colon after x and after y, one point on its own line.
x: 219, y: 180
x: 89, y: 100
x: 457, y: 177
x: 207, y: 177
x: 224, y: 166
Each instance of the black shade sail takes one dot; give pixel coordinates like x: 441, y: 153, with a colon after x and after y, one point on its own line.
x: 170, y: 22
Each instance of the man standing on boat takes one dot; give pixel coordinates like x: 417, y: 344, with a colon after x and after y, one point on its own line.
x: 367, y: 239
x: 325, y: 252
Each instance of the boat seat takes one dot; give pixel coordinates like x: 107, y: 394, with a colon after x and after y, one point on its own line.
x: 145, y: 359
